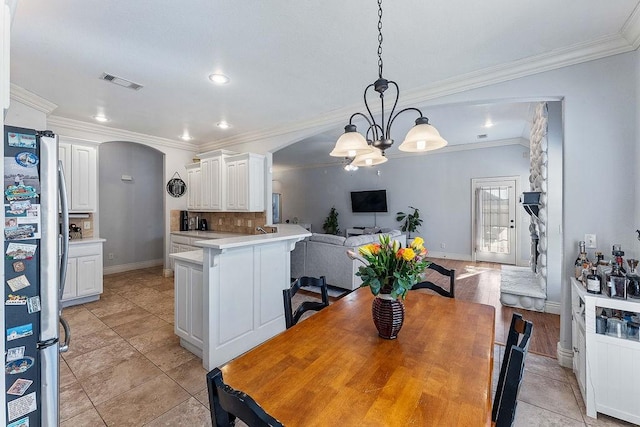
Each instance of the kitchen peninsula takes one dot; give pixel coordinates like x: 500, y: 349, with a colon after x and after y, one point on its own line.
x: 234, y: 284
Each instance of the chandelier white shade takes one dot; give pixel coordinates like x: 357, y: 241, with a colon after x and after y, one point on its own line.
x: 350, y: 144
x: 377, y: 137
x: 422, y: 137
x: 374, y: 157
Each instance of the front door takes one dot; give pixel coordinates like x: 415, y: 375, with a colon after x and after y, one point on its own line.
x: 495, y: 219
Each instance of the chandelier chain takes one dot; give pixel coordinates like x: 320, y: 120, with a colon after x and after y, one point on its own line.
x: 379, y: 38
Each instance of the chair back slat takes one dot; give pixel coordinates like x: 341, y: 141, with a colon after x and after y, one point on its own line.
x: 227, y: 404
x: 292, y: 317
x: 436, y: 288
x: 511, y: 371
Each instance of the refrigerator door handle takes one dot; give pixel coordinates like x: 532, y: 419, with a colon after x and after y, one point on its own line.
x: 64, y: 207
x: 67, y: 335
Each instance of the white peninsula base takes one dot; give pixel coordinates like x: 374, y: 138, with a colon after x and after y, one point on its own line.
x: 243, y: 278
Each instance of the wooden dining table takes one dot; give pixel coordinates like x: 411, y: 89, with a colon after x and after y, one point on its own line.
x: 332, y: 369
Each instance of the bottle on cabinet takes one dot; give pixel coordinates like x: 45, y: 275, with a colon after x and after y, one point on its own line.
x: 617, y: 283
x: 582, y: 262
x: 594, y: 285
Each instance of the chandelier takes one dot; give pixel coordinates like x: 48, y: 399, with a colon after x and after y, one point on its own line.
x: 369, y: 150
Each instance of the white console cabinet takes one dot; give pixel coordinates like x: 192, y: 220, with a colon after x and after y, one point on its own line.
x: 607, y: 367
x: 81, y: 173
x: 84, y: 273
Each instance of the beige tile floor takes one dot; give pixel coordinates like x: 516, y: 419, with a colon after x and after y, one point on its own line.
x: 125, y: 366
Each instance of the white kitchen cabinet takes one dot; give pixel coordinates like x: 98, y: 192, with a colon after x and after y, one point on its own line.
x: 245, y: 182
x: 189, y: 301
x: 84, y: 273
x: 81, y: 173
x: 213, y: 186
x: 182, y: 244
x: 607, y: 367
x: 194, y: 196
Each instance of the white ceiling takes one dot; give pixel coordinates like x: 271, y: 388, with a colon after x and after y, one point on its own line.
x: 297, y: 65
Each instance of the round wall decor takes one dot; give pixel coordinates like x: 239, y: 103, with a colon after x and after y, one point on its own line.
x: 176, y: 187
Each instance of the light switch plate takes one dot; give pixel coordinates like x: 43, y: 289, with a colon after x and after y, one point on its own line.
x: 590, y: 241
x: 87, y: 225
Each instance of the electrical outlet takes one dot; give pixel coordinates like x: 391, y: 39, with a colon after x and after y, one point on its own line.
x: 590, y: 241
x: 87, y: 225
x: 110, y: 256
x: 443, y: 245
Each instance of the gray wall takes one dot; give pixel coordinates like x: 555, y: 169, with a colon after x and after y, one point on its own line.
x: 439, y: 184
x: 131, y: 212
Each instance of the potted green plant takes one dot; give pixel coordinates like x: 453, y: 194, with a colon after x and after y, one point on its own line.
x: 411, y: 221
x: 330, y: 225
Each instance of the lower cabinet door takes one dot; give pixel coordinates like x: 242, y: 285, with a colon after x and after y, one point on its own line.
x: 70, y: 283
x: 89, y: 275
x: 181, y: 293
x: 197, y: 307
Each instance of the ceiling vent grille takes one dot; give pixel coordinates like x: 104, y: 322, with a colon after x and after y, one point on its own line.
x: 120, y: 81
x: 482, y: 136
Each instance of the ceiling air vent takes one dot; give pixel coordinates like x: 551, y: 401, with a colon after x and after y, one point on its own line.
x: 120, y: 81
x: 482, y: 136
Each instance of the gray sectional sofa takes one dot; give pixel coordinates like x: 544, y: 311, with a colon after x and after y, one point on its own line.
x: 326, y: 255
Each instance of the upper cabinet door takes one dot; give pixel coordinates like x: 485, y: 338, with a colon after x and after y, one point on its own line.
x: 64, y: 155
x: 83, y: 178
x: 194, y: 193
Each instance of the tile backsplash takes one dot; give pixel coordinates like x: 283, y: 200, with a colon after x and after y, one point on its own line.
x: 228, y: 222
x: 86, y: 233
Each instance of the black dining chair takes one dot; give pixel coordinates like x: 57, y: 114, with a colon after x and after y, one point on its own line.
x: 511, y: 372
x: 291, y: 317
x: 436, y: 288
x: 227, y: 404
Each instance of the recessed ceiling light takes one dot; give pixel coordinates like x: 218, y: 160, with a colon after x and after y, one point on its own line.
x: 185, y: 136
x: 101, y: 118
x: 488, y: 123
x: 219, y: 79
x: 223, y: 125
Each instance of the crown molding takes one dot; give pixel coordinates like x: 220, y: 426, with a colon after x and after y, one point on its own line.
x: 558, y: 58
x: 631, y: 29
x: 62, y: 124
x: 32, y: 100
x: 399, y: 155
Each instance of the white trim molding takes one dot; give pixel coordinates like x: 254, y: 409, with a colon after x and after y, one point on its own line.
x: 565, y: 357
x: 32, y: 100
x: 79, y: 129
x: 552, y: 307
x: 132, y: 266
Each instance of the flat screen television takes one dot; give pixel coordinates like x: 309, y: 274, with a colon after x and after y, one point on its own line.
x: 369, y: 201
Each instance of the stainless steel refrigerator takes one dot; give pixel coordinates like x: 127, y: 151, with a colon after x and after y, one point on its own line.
x: 35, y: 250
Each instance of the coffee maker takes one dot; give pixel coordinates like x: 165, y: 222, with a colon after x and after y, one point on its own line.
x: 184, y: 220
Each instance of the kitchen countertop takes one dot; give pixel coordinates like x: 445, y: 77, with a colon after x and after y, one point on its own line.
x: 285, y: 232
x: 88, y: 240
x: 194, y: 257
x: 207, y: 234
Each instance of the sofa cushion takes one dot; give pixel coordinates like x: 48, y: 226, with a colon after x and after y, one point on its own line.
x: 363, y: 239
x: 327, y: 238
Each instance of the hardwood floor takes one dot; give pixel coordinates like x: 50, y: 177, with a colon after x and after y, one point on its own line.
x: 480, y: 282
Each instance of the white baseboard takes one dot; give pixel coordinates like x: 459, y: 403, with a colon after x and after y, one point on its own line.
x: 447, y: 255
x: 565, y: 357
x: 132, y: 266
x: 552, y: 307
